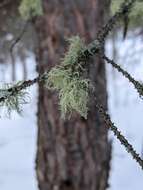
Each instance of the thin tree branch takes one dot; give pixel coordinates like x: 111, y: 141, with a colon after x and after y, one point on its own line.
x: 138, y: 86
x: 98, y: 44
x: 14, y: 43
x: 25, y: 84
x: 118, y: 134
x: 124, y: 10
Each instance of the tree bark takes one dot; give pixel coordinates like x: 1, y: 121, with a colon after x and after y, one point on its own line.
x: 72, y: 154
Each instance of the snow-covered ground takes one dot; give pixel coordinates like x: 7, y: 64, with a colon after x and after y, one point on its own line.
x: 18, y: 134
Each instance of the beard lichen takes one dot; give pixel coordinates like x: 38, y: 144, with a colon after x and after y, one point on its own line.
x: 30, y: 8
x: 13, y: 99
x: 68, y: 79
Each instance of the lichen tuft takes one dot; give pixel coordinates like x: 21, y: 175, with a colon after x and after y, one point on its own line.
x: 68, y: 80
x: 13, y: 99
x: 30, y: 8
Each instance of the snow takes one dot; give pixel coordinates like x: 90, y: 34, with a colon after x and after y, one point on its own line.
x: 18, y: 141
x: 18, y: 135
x: 126, y: 110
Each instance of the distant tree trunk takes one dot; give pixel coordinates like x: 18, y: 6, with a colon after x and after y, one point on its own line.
x: 75, y: 154
x: 13, y: 66
x: 24, y: 69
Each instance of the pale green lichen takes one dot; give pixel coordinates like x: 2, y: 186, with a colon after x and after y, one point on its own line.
x: 13, y: 100
x: 67, y: 79
x: 75, y: 97
x: 30, y: 8
x: 76, y: 49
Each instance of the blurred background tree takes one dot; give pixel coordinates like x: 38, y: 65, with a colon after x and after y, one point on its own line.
x: 72, y: 154
x: 13, y: 27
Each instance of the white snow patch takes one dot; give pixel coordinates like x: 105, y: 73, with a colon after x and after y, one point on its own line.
x: 126, y: 110
x: 18, y: 140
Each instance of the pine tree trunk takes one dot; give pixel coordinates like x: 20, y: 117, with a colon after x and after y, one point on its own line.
x: 75, y: 154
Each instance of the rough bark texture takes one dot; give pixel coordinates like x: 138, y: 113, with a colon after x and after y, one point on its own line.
x: 75, y: 154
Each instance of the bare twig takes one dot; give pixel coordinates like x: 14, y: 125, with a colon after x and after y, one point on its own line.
x: 25, y: 84
x: 98, y: 44
x: 138, y: 86
x: 118, y: 134
x: 14, y: 43
x: 124, y: 10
